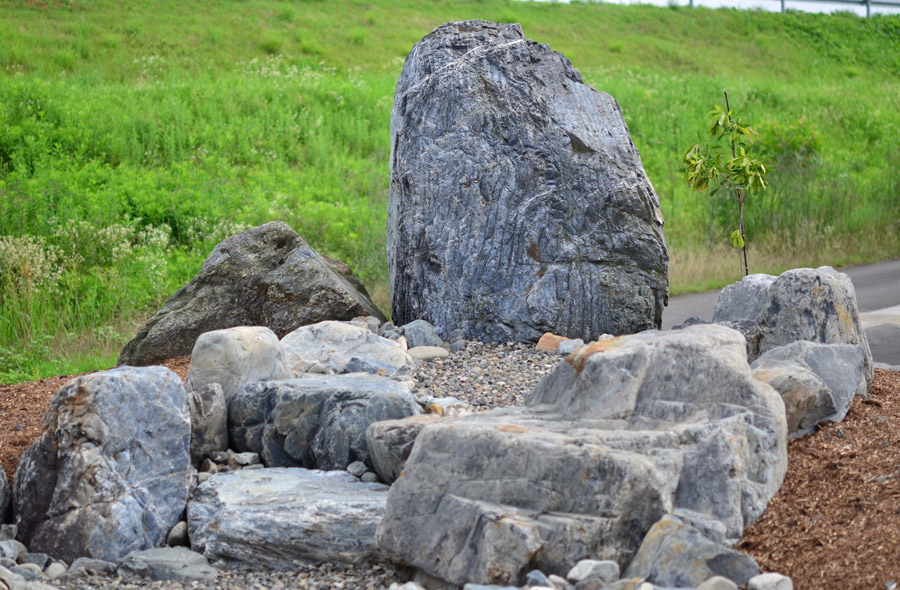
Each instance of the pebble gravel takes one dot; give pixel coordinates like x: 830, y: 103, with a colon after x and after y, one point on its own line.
x: 485, y: 376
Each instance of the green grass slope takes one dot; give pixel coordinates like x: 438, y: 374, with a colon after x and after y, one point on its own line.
x: 134, y: 136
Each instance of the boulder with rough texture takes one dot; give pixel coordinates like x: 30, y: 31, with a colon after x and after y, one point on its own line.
x: 167, y: 563
x: 265, y: 276
x: 677, y: 555
x: 209, y: 422
x: 518, y: 203
x: 284, y: 517
x: 622, y: 432
x: 391, y: 441
x: 818, y: 305
x: 4, y: 496
x: 421, y: 333
x: 112, y: 471
x: 315, y: 422
x: 338, y: 347
x: 817, y: 381
x: 235, y: 357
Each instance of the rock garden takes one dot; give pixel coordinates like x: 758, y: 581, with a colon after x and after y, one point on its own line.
x: 521, y: 422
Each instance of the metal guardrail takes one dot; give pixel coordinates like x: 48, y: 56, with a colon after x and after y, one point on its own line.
x: 867, y: 3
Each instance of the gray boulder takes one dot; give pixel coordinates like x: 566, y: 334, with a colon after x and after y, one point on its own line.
x: 112, y: 471
x: 421, y: 333
x: 4, y: 496
x: 677, y: 555
x: 315, y: 422
x: 817, y: 381
x: 265, y: 276
x: 818, y: 305
x: 284, y: 517
x: 15, y: 581
x: 391, y: 441
x: 235, y: 357
x: 209, y: 422
x: 338, y: 347
x: 167, y: 563
x: 622, y: 432
x: 490, y: 132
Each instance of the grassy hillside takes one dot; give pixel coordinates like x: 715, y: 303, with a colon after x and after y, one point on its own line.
x: 134, y: 136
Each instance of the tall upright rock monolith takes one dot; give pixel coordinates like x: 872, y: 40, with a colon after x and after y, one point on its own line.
x: 518, y: 203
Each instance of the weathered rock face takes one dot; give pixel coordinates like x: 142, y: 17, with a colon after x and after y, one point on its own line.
x: 4, y: 496
x: 818, y: 305
x: 315, y: 421
x: 391, y: 441
x: 518, y: 203
x: 816, y: 381
x: 283, y: 517
x: 235, y: 357
x: 112, y: 471
x: 619, y: 434
x: 265, y: 276
x: 209, y: 421
x: 335, y: 347
x: 676, y: 555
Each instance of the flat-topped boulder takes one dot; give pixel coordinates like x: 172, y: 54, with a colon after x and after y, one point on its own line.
x: 621, y: 433
x: 266, y: 276
x: 112, y: 471
x: 518, y: 203
x: 284, y: 517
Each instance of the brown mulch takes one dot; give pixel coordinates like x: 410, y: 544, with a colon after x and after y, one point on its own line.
x: 835, y: 522
x: 834, y: 525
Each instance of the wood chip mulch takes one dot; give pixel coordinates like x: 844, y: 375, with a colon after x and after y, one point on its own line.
x: 834, y: 525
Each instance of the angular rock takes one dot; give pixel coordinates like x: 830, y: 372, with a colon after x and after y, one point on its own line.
x: 550, y: 341
x: 235, y: 357
x: 4, y: 496
x: 569, y: 346
x: 817, y: 381
x: 421, y: 333
x: 8, y: 532
x: 209, y: 421
x: 491, y: 132
x: 315, y: 422
x: 167, y: 563
x: 605, y: 571
x: 282, y: 517
x: 178, y: 536
x: 329, y: 347
x: 619, y: 434
x: 54, y: 570
x: 818, y: 305
x: 674, y: 554
x: 112, y: 471
x: 12, y: 549
x: 391, y: 441
x: 265, y: 276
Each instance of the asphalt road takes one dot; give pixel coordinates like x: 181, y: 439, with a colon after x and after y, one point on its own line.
x: 877, y: 294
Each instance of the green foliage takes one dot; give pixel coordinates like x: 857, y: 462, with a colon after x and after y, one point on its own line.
x: 135, y: 136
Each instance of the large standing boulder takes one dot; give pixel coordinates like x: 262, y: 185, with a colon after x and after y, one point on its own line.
x: 818, y: 305
x: 622, y: 432
x: 315, y: 422
x: 285, y: 517
x: 265, y: 276
x: 816, y: 381
x: 112, y: 471
x: 518, y: 204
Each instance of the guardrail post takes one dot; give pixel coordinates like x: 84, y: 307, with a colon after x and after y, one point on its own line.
x: 868, y: 8
x: 782, y: 6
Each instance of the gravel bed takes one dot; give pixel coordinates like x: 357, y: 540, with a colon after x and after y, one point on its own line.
x: 312, y: 577
x: 485, y: 376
